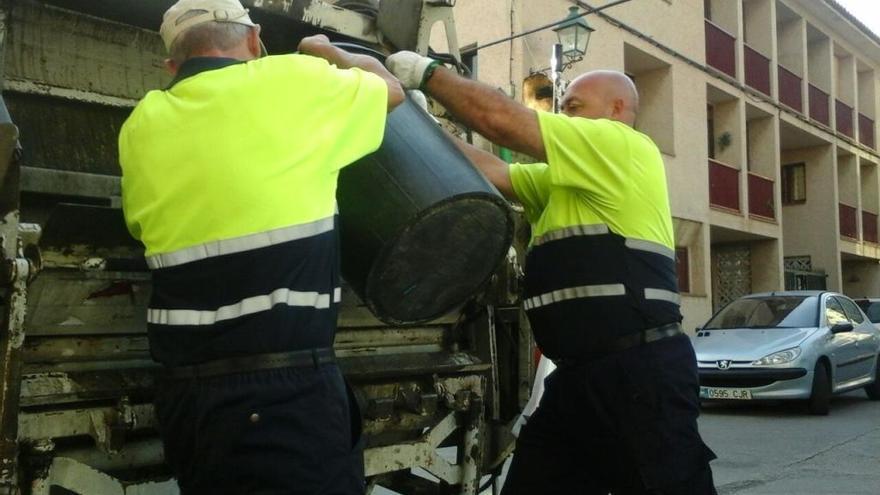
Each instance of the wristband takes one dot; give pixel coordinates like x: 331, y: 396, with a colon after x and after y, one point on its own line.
x: 428, y: 73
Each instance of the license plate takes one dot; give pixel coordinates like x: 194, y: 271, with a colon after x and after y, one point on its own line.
x: 725, y: 393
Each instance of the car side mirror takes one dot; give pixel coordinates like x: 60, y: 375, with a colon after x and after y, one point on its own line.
x: 842, y: 327
x: 697, y: 329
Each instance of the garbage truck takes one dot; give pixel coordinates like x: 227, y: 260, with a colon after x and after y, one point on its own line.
x: 438, y: 396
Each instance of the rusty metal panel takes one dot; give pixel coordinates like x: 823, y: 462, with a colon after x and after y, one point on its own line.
x: 389, y: 340
x: 94, y: 421
x: 58, y: 388
x: 89, y: 348
x: 66, y: 135
x: 62, y: 183
x: 65, y: 49
x: 76, y: 476
x: 65, y: 303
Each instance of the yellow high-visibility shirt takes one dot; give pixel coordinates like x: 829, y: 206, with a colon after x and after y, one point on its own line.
x: 246, y: 148
x: 598, y: 172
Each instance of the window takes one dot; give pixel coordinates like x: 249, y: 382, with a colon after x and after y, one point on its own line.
x: 766, y: 312
x: 834, y: 312
x: 683, y: 269
x: 852, y: 311
x: 794, y: 184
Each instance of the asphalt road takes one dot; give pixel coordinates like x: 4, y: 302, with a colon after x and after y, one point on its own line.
x: 779, y: 449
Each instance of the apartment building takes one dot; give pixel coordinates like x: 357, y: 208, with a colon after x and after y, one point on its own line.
x: 765, y: 112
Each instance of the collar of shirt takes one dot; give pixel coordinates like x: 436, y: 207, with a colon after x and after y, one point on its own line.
x: 197, y: 65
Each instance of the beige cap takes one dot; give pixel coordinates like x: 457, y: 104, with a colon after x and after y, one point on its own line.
x: 188, y: 13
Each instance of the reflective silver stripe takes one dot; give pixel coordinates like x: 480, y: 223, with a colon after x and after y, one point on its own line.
x: 663, y: 295
x: 602, y: 229
x: 574, y: 293
x: 240, y: 244
x: 653, y: 247
x: 244, y: 307
x: 576, y: 230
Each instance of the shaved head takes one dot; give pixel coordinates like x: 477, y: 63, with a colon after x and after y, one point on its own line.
x: 602, y: 94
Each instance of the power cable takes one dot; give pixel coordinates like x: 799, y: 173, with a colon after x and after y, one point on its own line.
x: 552, y: 24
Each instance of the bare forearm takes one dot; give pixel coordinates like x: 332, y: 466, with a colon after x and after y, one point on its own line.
x: 471, y: 102
x: 496, y: 170
x: 487, y: 111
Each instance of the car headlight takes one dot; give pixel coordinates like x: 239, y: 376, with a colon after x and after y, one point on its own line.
x: 780, y: 357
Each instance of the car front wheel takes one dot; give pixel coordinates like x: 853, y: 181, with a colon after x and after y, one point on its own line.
x: 820, y: 396
x: 873, y: 390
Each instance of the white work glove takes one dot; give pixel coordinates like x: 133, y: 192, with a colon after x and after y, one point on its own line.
x: 411, y: 68
x: 421, y: 100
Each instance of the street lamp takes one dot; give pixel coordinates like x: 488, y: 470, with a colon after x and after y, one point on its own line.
x: 574, y: 35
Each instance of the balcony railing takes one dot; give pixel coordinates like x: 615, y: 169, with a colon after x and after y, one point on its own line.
x: 757, y: 70
x: 848, y: 225
x: 761, y: 196
x: 723, y: 185
x: 869, y: 226
x: 720, y: 49
x: 844, y: 114
x: 790, y: 90
x: 866, y: 131
x: 819, y: 105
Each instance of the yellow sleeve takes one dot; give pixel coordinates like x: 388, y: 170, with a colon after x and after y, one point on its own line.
x: 349, y: 104
x: 586, y: 154
x: 531, y: 185
x: 134, y: 227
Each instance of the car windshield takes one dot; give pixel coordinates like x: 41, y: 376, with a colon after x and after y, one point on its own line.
x: 767, y: 312
x: 872, y: 309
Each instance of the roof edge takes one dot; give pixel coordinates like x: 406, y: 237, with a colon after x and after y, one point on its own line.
x: 840, y: 9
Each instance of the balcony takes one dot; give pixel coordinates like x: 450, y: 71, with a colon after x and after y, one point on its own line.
x: 844, y: 114
x: 848, y: 225
x: 757, y: 70
x: 723, y: 186
x: 720, y: 49
x: 866, y: 131
x: 790, y: 90
x: 761, y: 196
x: 819, y: 106
x: 869, y: 226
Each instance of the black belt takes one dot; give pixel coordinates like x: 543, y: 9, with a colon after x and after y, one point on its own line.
x: 646, y: 336
x: 254, y: 362
x: 625, y: 342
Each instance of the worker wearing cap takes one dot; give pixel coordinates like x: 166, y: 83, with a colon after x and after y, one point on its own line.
x: 619, y: 414
x: 229, y: 179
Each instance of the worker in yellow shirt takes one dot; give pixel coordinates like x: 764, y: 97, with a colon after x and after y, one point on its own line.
x: 229, y: 180
x: 619, y: 414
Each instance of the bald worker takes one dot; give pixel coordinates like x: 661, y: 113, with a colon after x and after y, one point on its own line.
x: 619, y: 414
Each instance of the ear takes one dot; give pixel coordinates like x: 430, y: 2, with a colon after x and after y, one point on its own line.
x: 171, y: 66
x: 253, y: 42
x: 617, y: 107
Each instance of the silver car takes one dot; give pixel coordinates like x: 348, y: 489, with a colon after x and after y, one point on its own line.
x: 788, y: 345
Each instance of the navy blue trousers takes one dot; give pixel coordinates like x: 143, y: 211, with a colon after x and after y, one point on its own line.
x: 625, y: 423
x: 292, y: 431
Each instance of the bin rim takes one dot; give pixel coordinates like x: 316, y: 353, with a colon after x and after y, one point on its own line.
x: 385, y: 253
